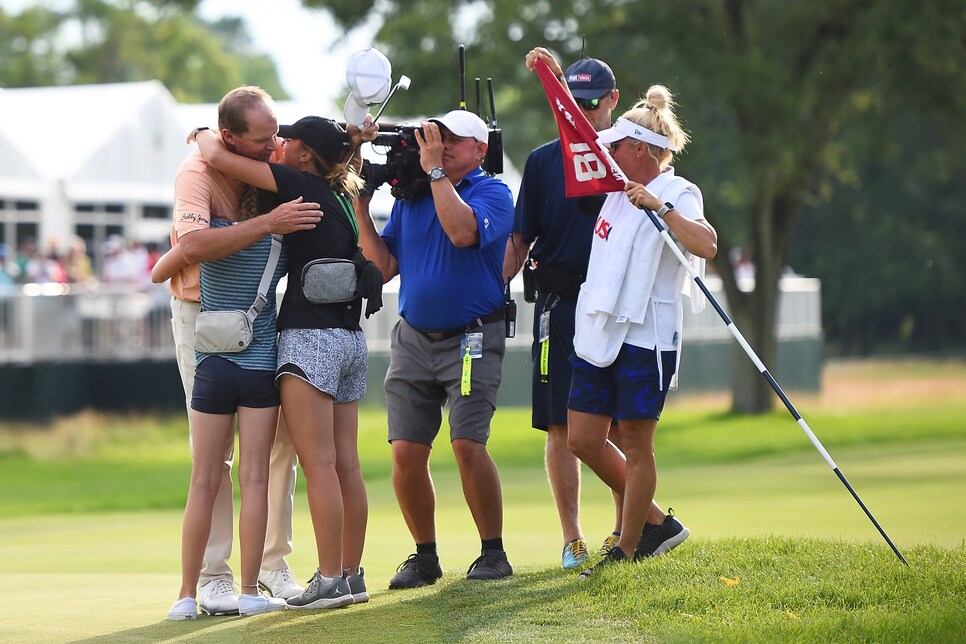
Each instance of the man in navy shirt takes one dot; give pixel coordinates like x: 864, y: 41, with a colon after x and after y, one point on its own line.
x: 560, y: 230
x: 447, y: 248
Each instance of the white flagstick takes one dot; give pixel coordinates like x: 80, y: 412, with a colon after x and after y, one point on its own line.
x: 662, y: 228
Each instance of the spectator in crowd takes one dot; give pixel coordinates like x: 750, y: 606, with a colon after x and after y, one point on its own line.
x: 77, y: 262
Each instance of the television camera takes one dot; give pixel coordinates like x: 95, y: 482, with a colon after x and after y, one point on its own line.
x: 402, y: 170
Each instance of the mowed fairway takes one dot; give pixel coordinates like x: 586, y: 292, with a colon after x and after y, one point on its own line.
x: 90, y: 514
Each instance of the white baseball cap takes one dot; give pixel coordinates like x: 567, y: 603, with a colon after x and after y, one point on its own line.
x: 368, y: 74
x: 465, y: 123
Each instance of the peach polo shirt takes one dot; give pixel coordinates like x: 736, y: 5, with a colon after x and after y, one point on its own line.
x: 200, y: 193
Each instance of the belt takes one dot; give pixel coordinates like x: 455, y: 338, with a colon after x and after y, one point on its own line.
x: 436, y: 336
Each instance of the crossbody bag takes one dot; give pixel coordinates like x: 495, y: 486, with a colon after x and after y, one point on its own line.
x: 232, y: 331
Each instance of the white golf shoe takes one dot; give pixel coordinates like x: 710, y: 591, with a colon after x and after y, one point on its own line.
x: 218, y: 597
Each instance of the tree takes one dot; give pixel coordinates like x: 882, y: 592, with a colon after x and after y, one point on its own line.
x: 764, y: 87
x: 97, y: 41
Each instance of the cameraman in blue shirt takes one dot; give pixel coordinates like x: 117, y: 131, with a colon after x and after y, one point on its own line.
x: 447, y: 248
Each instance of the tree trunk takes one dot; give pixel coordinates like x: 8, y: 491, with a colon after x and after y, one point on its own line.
x: 755, y: 313
x: 755, y: 319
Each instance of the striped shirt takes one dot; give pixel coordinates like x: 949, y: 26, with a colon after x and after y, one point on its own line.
x: 232, y: 283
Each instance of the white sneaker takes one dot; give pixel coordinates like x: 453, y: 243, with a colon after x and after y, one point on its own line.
x: 281, y: 583
x: 183, y: 609
x: 218, y: 597
x: 258, y: 604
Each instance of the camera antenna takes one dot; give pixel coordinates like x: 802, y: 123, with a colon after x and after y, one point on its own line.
x: 477, y: 96
x: 462, y: 77
x: 489, y: 87
x: 583, y: 44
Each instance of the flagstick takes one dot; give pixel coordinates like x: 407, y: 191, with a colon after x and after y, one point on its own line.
x: 663, y: 230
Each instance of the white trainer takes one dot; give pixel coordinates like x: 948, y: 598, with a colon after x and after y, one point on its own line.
x: 258, y: 604
x: 183, y: 609
x: 218, y: 597
x: 280, y: 583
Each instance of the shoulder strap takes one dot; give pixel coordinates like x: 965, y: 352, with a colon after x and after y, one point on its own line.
x: 262, y: 298
x: 349, y: 212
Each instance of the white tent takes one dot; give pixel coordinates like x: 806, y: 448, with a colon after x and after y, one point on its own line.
x: 98, y: 160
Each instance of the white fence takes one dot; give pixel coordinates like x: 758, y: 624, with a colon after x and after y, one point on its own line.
x: 54, y: 323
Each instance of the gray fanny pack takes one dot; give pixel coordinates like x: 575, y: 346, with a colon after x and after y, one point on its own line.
x: 329, y: 281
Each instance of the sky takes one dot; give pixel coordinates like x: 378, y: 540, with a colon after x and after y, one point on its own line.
x: 299, y: 40
x: 302, y: 42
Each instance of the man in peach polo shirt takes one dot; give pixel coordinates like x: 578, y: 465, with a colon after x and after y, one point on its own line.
x: 247, y: 123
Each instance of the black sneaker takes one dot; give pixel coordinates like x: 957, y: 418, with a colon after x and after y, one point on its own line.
x: 613, y: 555
x: 418, y: 570
x: 658, y: 539
x: 492, y: 564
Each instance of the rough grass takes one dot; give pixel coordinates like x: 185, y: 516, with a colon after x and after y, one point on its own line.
x: 90, y: 512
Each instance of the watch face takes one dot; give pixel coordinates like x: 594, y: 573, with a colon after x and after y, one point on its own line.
x: 436, y: 174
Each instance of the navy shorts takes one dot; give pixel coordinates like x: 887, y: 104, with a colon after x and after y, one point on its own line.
x: 221, y: 387
x: 627, y: 389
x: 551, y: 394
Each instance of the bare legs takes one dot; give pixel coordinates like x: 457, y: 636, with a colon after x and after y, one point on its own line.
x: 563, y: 471
x: 414, y: 488
x: 355, y: 503
x: 325, y: 436
x: 310, y: 420
x: 416, y: 495
x: 256, y: 435
x: 212, y: 433
x: 481, y: 486
x: 633, y: 476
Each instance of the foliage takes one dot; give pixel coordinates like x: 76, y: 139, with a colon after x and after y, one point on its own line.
x: 885, y: 235
x: 778, y: 97
x: 102, y: 41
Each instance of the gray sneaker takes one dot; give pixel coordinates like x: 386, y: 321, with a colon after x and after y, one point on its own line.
x: 319, y: 594
x: 357, y: 586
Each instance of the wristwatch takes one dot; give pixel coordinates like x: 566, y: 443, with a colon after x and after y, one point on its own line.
x: 668, y: 206
x: 436, y: 174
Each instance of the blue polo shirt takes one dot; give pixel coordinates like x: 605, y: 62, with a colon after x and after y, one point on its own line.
x: 441, y: 286
x: 563, y: 228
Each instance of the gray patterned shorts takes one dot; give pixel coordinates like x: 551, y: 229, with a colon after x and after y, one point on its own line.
x: 334, y: 361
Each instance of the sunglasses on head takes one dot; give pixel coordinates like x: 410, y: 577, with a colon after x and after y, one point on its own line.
x: 591, y: 104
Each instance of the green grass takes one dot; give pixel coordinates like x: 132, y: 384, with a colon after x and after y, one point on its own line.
x: 122, y: 464
x: 90, y: 513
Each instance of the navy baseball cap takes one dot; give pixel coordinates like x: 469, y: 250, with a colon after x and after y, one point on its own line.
x: 324, y: 136
x: 590, y: 78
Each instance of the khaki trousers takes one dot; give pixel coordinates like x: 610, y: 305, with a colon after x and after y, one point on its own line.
x: 281, y: 482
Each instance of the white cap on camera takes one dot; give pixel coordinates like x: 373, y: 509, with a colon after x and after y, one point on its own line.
x: 464, y: 123
x: 368, y: 75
